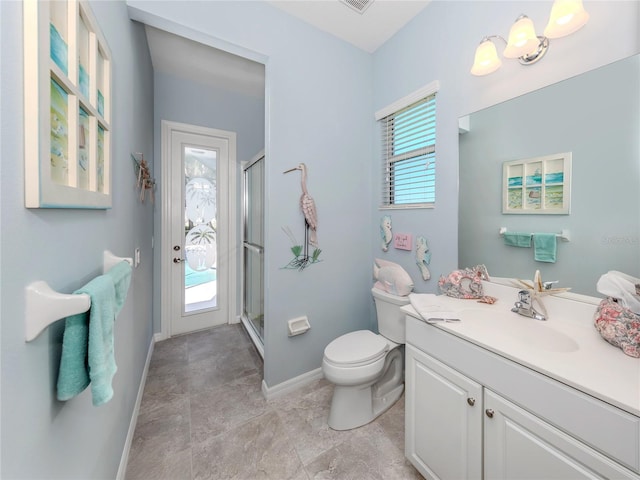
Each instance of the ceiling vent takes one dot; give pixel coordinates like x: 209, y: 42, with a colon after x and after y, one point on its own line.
x: 357, y: 5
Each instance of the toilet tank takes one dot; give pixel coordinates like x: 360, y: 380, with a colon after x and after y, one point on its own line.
x: 391, y: 321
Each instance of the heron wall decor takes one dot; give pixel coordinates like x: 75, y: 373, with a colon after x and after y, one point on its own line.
x: 308, y: 206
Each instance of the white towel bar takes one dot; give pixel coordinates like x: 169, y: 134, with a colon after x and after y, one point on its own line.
x: 109, y: 260
x: 563, y: 235
x: 45, y: 306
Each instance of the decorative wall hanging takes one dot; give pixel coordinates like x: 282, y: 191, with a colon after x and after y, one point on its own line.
x: 423, y: 257
x: 144, y: 181
x: 539, y: 185
x: 308, y: 206
x: 403, y: 241
x: 300, y: 260
x: 67, y: 107
x: 385, y: 232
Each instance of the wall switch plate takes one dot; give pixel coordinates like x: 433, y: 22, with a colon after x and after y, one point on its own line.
x: 136, y: 258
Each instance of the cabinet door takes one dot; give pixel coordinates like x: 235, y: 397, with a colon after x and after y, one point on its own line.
x: 443, y: 421
x: 519, y: 445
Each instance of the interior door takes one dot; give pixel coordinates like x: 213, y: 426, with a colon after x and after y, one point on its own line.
x: 199, y: 247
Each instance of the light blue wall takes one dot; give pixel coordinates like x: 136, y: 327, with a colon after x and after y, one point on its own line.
x: 184, y: 101
x: 318, y: 112
x: 321, y: 95
x: 439, y: 44
x: 41, y: 437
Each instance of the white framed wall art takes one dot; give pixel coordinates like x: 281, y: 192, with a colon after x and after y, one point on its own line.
x: 540, y: 185
x: 67, y: 107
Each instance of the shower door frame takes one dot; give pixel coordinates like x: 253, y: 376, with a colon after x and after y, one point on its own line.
x: 248, y: 324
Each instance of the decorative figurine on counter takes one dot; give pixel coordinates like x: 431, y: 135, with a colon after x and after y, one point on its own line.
x: 385, y: 232
x: 423, y: 257
x: 466, y: 283
x: 540, y: 289
x: 392, y: 278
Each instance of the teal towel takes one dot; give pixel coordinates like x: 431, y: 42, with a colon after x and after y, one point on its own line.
x: 73, y: 377
x: 515, y: 239
x: 87, y: 345
x: 121, y: 276
x: 544, y: 247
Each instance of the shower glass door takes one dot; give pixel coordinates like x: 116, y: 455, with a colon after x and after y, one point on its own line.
x: 253, y: 246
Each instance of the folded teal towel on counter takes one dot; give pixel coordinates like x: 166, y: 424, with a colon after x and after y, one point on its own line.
x: 87, y: 345
x: 544, y: 247
x: 515, y: 239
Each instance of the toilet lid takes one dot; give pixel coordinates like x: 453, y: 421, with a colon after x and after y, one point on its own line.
x: 356, y: 347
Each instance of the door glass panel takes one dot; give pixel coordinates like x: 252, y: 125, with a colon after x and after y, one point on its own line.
x: 254, y: 291
x: 254, y: 246
x: 200, y: 229
x: 254, y: 178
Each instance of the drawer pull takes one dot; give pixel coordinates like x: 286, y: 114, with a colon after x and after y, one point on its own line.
x: 489, y: 412
x: 471, y: 401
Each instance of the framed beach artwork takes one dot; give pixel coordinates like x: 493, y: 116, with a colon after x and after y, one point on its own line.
x: 67, y: 101
x: 540, y: 185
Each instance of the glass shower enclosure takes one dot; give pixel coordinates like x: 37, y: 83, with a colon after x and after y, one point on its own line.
x: 253, y: 250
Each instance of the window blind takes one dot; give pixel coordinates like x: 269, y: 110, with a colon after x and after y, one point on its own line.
x: 408, y: 155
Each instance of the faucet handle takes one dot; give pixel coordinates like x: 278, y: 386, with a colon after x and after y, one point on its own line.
x: 549, y: 285
x: 524, y: 294
x: 524, y: 297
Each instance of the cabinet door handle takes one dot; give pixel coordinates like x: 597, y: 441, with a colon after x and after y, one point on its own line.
x: 471, y: 401
x: 489, y: 412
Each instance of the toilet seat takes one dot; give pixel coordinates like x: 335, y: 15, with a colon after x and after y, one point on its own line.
x: 355, y: 349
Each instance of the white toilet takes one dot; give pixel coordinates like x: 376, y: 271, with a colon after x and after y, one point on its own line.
x: 367, y: 369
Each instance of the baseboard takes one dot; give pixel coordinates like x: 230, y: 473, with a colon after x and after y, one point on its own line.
x: 122, y: 469
x: 291, y: 384
x: 158, y: 337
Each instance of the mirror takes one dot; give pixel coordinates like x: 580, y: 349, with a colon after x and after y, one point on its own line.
x: 596, y: 117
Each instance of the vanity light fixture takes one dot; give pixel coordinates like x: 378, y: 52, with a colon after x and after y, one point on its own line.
x: 567, y: 16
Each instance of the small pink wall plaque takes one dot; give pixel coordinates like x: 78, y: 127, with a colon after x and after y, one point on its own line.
x: 402, y: 241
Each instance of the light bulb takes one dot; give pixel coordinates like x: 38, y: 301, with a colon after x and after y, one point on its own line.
x: 522, y: 38
x: 567, y: 16
x: 486, y: 60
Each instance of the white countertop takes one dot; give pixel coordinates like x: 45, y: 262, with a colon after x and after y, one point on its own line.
x: 566, y: 347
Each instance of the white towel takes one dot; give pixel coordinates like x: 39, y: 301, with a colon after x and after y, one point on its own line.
x: 429, y: 306
x: 622, y: 287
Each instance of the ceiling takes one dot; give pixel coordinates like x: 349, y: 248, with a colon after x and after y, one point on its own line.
x: 380, y: 21
x: 201, y: 63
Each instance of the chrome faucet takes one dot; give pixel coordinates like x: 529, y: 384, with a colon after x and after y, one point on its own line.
x: 524, y: 306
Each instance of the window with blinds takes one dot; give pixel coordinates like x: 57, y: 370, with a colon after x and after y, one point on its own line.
x: 408, y: 156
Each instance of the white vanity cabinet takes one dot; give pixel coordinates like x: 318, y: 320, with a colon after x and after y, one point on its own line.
x: 443, y: 419
x: 518, y: 444
x: 471, y: 413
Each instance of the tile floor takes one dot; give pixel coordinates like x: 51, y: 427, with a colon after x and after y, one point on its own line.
x: 203, y: 416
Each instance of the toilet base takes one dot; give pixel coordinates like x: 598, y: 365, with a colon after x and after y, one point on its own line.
x: 354, y: 406
x: 342, y: 417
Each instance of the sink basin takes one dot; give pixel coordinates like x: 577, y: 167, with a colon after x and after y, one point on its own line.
x: 500, y: 326
x: 545, y: 338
